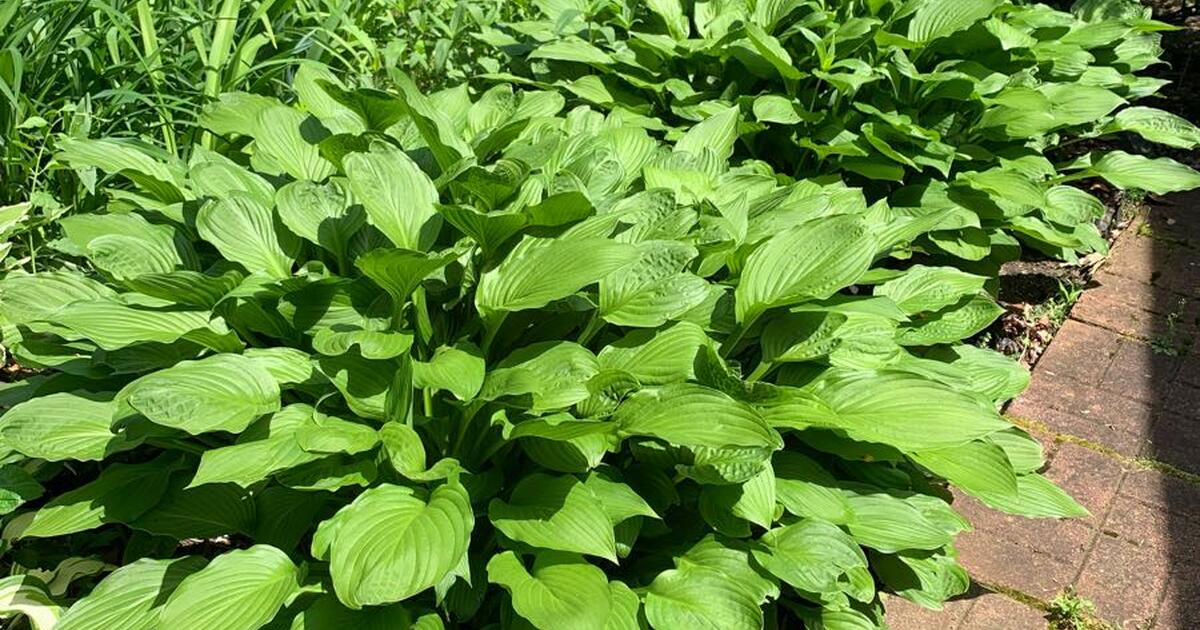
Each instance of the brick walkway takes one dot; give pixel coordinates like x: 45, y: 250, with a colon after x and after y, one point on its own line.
x: 1116, y: 402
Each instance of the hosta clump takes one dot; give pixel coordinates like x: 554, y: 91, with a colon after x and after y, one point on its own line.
x: 956, y: 105
x: 452, y: 360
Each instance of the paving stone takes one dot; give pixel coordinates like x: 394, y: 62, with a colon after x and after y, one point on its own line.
x: 1139, y: 372
x: 1176, y: 441
x: 998, y: 561
x: 1080, y: 351
x: 1135, y: 256
x: 1181, y: 273
x: 993, y: 611
x: 1066, y: 540
x: 905, y: 615
x: 1122, y: 318
x: 1189, y: 367
x: 1183, y: 399
x: 1124, y: 442
x: 1126, y: 582
x: 1110, y: 287
x: 1145, y: 525
x: 1091, y: 477
x: 1180, y: 609
x: 1175, y: 224
x: 1102, y: 406
x: 1163, y: 492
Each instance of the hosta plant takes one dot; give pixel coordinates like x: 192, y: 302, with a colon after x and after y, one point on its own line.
x: 932, y: 104
x: 454, y: 360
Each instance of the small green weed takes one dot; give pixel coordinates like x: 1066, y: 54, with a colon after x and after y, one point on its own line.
x: 1172, y: 343
x: 1070, y: 611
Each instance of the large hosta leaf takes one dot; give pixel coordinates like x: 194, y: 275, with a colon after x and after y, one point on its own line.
x: 671, y: 414
x: 238, y: 590
x: 713, y: 587
x: 1158, y: 126
x: 398, y: 197
x: 389, y: 544
x: 562, y: 592
x: 130, y: 597
x: 26, y: 595
x: 120, y: 494
x: 62, y: 426
x: 112, y: 325
x: 245, y: 231
x: 558, y: 513
x: 521, y: 281
x: 225, y: 392
x: 320, y: 214
x: 1132, y: 172
x: 899, y: 409
x: 810, y: 261
x: 811, y: 555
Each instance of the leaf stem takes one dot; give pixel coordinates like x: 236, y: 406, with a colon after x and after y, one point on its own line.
x: 759, y: 372
x: 593, y: 326
x: 730, y: 344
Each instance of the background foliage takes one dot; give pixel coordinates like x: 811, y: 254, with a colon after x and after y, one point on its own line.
x: 568, y: 315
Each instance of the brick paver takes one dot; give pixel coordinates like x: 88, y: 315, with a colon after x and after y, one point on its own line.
x: 1116, y: 399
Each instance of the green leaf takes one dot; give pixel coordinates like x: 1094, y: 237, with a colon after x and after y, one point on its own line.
x: 365, y: 384
x: 715, y: 589
x: 400, y: 271
x: 26, y: 595
x: 656, y: 357
x: 225, y: 392
x: 372, y: 344
x: 1156, y: 125
x: 1037, y: 497
x: 282, y: 136
x: 320, y: 214
x: 890, y: 524
x: 1074, y: 104
x: 898, y: 409
x: 670, y: 413
x: 1159, y: 175
x: 319, y: 433
x: 801, y: 336
x: 238, y: 590
x: 264, y: 449
x: 112, y: 325
x: 553, y: 374
x: 805, y: 488
x: 458, y: 370
x: 653, y: 289
x: 923, y: 289
x: 245, y: 231
x: 558, y: 513
x: 399, y: 199
x: 979, y: 468
x: 952, y: 324
x: 389, y: 544
x: 120, y: 494
x: 17, y: 487
x: 811, y: 555
x: 206, y: 512
x: 132, y: 596
x: 562, y: 592
x: 717, y: 133
x: 813, y: 260
x: 62, y: 426
x: 935, y: 19
x: 521, y: 281
x: 33, y: 297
